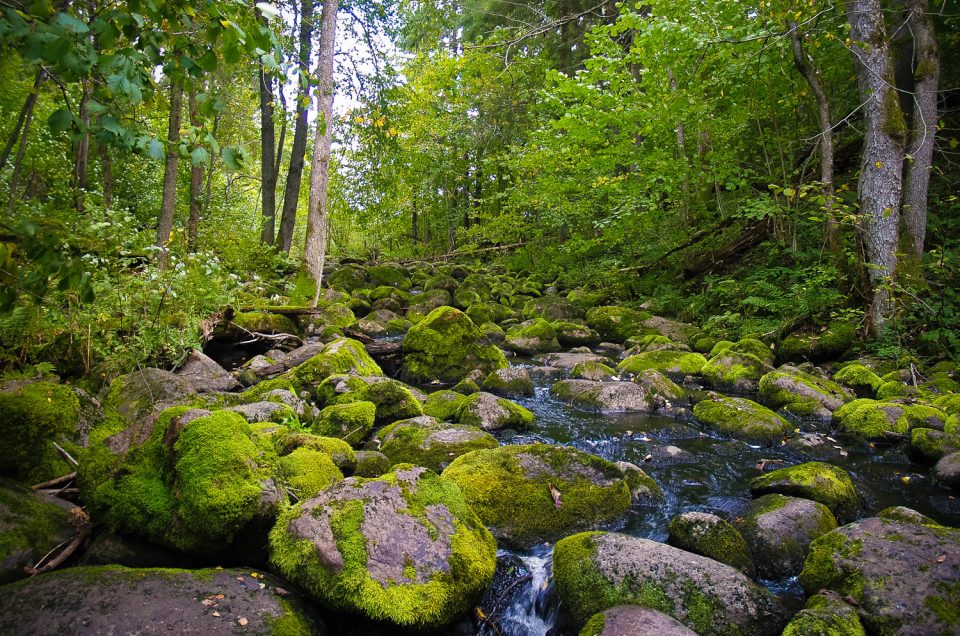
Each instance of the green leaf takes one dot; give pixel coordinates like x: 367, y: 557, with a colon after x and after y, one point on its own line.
x: 199, y: 156
x: 155, y: 149
x: 60, y: 120
x: 269, y: 11
x: 71, y: 24
x: 232, y: 158
x: 208, y: 61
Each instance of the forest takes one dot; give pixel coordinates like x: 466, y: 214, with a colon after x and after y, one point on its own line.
x: 491, y: 317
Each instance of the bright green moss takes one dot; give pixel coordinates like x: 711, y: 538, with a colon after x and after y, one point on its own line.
x: 349, y: 422
x: 862, y: 380
x: 580, y: 583
x: 940, y: 383
x: 33, y: 418
x: 509, y: 382
x: 264, y: 323
x: 734, y: 371
x: 825, y: 616
x: 893, y: 389
x: 828, y: 344
x: 406, y: 603
x: 946, y: 606
x: 444, y: 405
x: 338, y: 450
x: 529, y: 338
x: 665, y: 361
x: 950, y: 404
x: 714, y: 538
x: 510, y: 489
x: 795, y: 389
x: 818, y: 481
x: 571, y: 334
x: 932, y: 444
x: 873, y: 420
x: 650, y: 342
x: 474, y: 412
x: 218, y: 478
x: 388, y: 275
x: 258, y: 392
x: 445, y: 346
x: 393, y: 400
x: 742, y: 419
x: 429, y: 443
x: 820, y: 569
x: 594, y: 626
x: 306, y: 472
x: 720, y: 347
x: 340, y: 356
x: 592, y: 370
x: 617, y: 323
x: 466, y: 386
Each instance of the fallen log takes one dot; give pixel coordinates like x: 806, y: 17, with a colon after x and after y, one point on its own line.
x: 750, y: 237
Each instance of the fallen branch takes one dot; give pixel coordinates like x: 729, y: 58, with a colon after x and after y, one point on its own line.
x: 696, y: 238
x: 57, y: 481
x: 65, y: 454
x: 83, y: 526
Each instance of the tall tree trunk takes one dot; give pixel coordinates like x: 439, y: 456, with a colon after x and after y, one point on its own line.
x: 815, y: 82
x: 106, y: 169
x: 268, y: 177
x: 926, y: 74
x: 291, y: 193
x: 169, y: 199
x: 18, y: 161
x: 26, y: 112
x: 196, y: 183
x: 881, y: 174
x: 316, y: 243
x: 82, y: 156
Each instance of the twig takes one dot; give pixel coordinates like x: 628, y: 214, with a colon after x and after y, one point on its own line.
x: 82, y: 535
x: 65, y: 454
x: 65, y: 479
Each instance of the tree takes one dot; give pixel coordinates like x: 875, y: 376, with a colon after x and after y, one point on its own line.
x: 268, y: 171
x: 291, y: 194
x: 169, y: 199
x: 881, y: 169
x: 316, y: 241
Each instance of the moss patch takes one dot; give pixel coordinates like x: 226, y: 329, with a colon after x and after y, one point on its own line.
x: 742, y: 419
x: 33, y: 418
x: 818, y: 481
x: 665, y: 361
x: 349, y: 422
x: 446, y: 346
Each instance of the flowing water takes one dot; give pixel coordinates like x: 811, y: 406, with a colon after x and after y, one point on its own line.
x: 697, y: 471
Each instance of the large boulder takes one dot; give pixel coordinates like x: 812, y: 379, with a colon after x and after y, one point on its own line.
x: 826, y: 614
x: 492, y: 413
x: 736, y: 372
x: 205, y: 374
x: 674, y: 329
x: 572, y: 334
x: 350, y: 422
x: 668, y: 361
x: 708, y: 535
x: 859, y: 379
x: 119, y: 600
x: 551, y: 308
x: 34, y: 417
x: 446, y: 346
x: 536, y: 336
x: 146, y: 391
x: 428, y: 442
x: 617, y: 323
x: 594, y: 571
x: 393, y: 400
x: 32, y: 525
x: 802, y: 394
x: 536, y: 492
x: 875, y: 420
x: 742, y: 419
x: 604, y: 397
x: 568, y: 361
x: 403, y: 548
x: 817, y: 481
x: 827, y: 344
x: 510, y: 382
x: 444, y: 404
x: 342, y: 356
x: 947, y: 470
x: 779, y: 531
x: 903, y: 577
x: 633, y: 620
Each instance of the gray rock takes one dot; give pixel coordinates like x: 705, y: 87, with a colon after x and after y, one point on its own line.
x: 633, y: 620
x: 903, y: 576
x: 118, y: 600
x: 779, y: 531
x: 256, y: 412
x: 594, y: 571
x: 491, y: 413
x: 509, y: 382
x: 147, y: 391
x: 426, y: 441
x: 947, y: 470
x: 674, y: 329
x: 567, y: 361
x: 205, y: 375
x: 604, y: 397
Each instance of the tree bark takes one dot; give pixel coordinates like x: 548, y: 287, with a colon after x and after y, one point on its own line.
x: 82, y: 156
x: 169, y: 199
x: 825, y: 119
x: 881, y: 174
x: 26, y: 112
x: 196, y: 184
x: 291, y: 193
x: 268, y: 176
x: 18, y: 161
x: 316, y: 242
x: 926, y: 73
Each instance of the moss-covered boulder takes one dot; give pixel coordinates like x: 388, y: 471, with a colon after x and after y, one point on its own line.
x: 670, y: 362
x: 444, y: 405
x: 817, y: 481
x: 146, y: 391
x: 492, y: 413
x: 350, y: 422
x: 903, y: 577
x: 594, y: 371
x: 594, y: 571
x: 906, y: 515
x: 827, y: 615
x: 537, y: 336
x: 307, y: 471
x: 119, y: 600
x: 241, y: 325
x: 568, y: 360
x: 617, y: 323
x: 779, y: 531
x: 827, y: 344
x: 930, y: 445
x: 710, y: 536
x: 801, y: 394
x: 633, y: 620
x: 403, y: 548
x: 651, y: 342
x: 947, y: 471
x: 393, y: 400
x: 551, y: 308
x: 348, y: 278
x: 330, y: 319
x: 859, y: 379
x: 371, y: 463
x: 422, y: 304
x: 466, y: 386
x: 31, y: 526
x: 205, y: 375
x: 441, y: 281
x: 604, y: 397
x: 389, y: 276
x: 446, y: 346
x: 286, y: 441
x: 744, y: 346
x: 428, y: 442
x: 35, y: 417
x: 949, y: 404
x: 510, y: 382
x: 573, y: 334
x: 875, y: 420
x: 643, y: 488
x: 188, y: 479
x: 338, y: 357
x: 536, y: 492
x: 677, y: 331
x: 735, y: 372
x: 742, y: 419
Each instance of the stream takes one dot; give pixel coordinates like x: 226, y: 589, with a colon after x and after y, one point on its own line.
x: 697, y: 471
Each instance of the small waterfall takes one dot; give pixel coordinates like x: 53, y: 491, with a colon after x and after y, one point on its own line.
x: 531, y: 609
